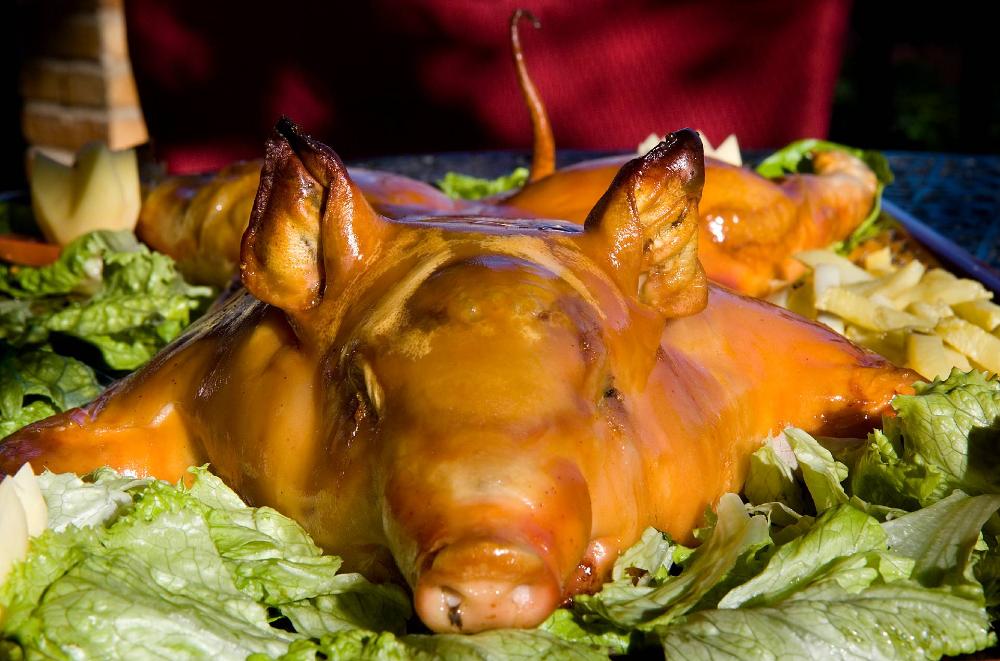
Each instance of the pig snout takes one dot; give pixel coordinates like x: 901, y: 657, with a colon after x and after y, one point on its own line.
x: 477, y: 584
x: 488, y: 544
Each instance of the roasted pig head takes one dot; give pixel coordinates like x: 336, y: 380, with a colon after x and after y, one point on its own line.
x: 490, y: 408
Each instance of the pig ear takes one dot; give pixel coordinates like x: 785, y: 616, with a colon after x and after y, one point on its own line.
x: 310, y: 226
x: 645, y: 227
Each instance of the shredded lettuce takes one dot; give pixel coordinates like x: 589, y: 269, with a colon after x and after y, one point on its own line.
x: 462, y: 186
x: 106, y: 289
x: 35, y: 384
x: 143, y: 569
x: 168, y: 571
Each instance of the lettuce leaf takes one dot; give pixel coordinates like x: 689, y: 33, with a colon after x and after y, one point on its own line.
x: 944, y: 437
x: 35, y: 384
x: 491, y: 645
x: 941, y: 539
x: 626, y: 605
x: 839, y: 533
x: 154, y: 570
x: 953, y: 425
x: 77, y: 271
x: 464, y: 187
x: 106, y: 289
x: 893, y: 621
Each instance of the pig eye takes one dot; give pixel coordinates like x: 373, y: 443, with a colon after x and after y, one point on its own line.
x: 369, y: 390
x: 609, y: 393
x: 372, y: 388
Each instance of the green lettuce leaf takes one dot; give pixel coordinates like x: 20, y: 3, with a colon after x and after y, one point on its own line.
x: 771, y: 478
x: 625, y: 605
x: 821, y: 473
x: 840, y: 532
x: 987, y: 572
x: 35, y: 384
x: 944, y: 437
x: 941, y: 539
x: 648, y: 560
x: 953, y: 425
x: 900, y: 620
x: 106, y: 289
x: 461, y: 186
x: 594, y: 633
x: 79, y: 503
x: 78, y: 270
x: 27, y: 414
x: 491, y: 645
x: 796, y: 157
x: 143, y: 569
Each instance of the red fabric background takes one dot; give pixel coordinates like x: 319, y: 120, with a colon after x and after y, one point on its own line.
x: 435, y: 75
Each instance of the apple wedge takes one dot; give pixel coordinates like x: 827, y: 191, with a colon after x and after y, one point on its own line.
x: 100, y: 191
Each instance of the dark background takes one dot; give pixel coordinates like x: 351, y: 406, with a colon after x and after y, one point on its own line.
x: 910, y: 79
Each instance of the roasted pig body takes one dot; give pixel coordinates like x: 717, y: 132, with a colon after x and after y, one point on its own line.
x: 750, y: 226
x: 489, y: 409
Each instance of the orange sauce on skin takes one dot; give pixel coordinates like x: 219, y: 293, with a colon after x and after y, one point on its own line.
x: 483, y: 420
x: 469, y: 400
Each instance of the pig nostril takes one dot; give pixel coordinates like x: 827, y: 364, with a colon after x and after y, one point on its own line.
x: 475, y: 585
x: 453, y: 604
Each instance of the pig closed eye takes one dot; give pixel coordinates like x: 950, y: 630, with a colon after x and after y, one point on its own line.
x: 371, y: 393
x: 609, y: 393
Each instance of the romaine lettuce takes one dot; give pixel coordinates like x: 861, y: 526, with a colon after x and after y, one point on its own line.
x: 178, y: 572
x: 106, y: 289
x: 464, y: 187
x: 35, y: 384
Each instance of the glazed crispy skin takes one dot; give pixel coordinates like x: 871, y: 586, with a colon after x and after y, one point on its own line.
x: 750, y: 226
x: 492, y: 408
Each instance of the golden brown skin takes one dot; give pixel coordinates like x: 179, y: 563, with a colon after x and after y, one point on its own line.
x: 199, y: 219
x: 750, y: 226
x: 492, y: 408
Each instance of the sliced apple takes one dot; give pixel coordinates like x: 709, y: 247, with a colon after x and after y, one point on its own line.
x: 13, y: 526
x: 100, y: 191
x: 52, y: 194
x: 127, y: 168
x: 36, y: 512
